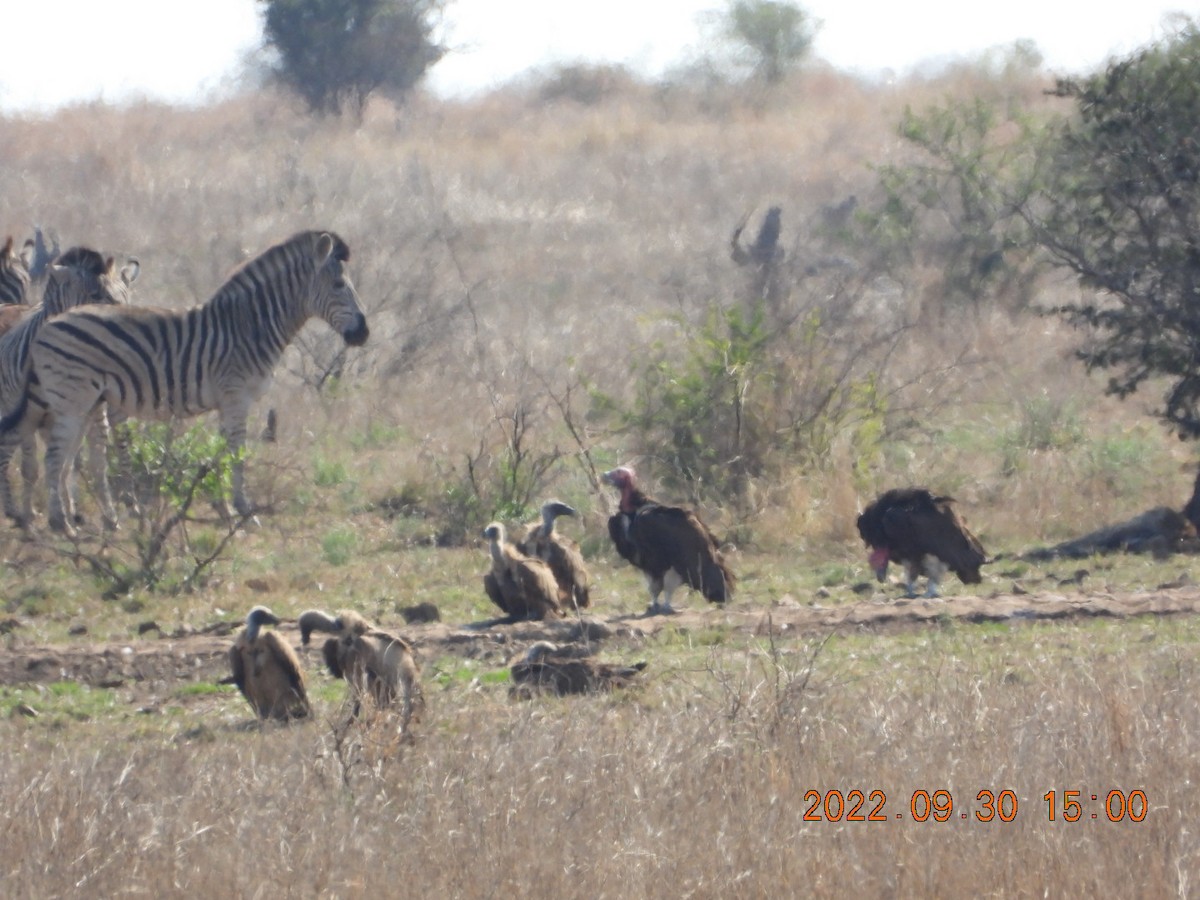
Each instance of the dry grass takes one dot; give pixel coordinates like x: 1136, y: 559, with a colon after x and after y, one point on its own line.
x: 693, y: 786
x: 507, y: 250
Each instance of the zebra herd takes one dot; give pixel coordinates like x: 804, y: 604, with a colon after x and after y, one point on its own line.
x: 92, y: 357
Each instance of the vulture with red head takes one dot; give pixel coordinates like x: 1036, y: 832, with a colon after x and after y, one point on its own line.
x: 560, y: 553
x: 923, y: 533
x: 669, y: 544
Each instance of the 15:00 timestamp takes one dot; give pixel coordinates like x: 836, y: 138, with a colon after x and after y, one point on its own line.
x: 1071, y: 806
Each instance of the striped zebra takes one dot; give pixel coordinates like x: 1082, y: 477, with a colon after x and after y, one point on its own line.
x: 14, y: 273
x: 147, y: 362
x: 79, y: 276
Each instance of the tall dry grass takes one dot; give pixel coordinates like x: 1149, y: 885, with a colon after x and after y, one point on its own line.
x: 693, y: 786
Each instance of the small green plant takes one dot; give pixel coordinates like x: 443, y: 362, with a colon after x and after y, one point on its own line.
x: 163, y: 474
x: 338, y: 546
x: 329, y: 472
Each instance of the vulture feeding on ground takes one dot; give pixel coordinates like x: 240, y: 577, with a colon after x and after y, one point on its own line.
x: 522, y: 586
x: 924, y: 534
x: 668, y: 543
x: 560, y: 553
x: 546, y: 667
x: 267, y: 671
x: 375, y: 662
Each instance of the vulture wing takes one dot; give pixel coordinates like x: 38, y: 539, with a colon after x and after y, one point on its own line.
x: 238, y: 665
x: 618, y: 529
x: 290, y: 695
x: 930, y: 525
x: 566, y: 562
x: 537, y: 586
x: 670, y: 537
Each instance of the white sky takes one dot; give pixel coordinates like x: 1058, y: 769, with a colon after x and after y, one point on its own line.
x: 62, y: 51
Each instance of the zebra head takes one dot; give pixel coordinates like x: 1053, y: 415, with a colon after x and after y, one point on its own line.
x: 14, y: 274
x: 334, y: 298
x: 82, y: 276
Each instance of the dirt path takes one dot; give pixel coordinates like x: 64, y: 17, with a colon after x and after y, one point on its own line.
x: 152, y: 663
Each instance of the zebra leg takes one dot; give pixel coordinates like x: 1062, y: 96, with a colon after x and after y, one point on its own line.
x: 9, y: 442
x: 66, y: 436
x: 233, y: 427
x: 98, y: 466
x: 29, y: 475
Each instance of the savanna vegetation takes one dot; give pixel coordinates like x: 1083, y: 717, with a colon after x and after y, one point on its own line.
x: 548, y: 277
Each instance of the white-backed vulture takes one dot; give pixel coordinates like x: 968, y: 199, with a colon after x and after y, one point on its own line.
x: 522, y: 586
x: 560, y: 553
x: 267, y: 670
x: 668, y: 543
x: 374, y: 662
x: 545, y: 667
x: 923, y: 533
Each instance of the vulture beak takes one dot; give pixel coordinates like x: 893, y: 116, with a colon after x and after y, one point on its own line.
x: 878, y: 561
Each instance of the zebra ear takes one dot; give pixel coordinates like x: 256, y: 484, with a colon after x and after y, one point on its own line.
x: 6, y: 250
x: 28, y: 252
x: 130, y: 271
x: 324, y: 248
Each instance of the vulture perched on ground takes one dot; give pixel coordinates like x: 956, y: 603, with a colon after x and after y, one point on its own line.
x: 374, y: 662
x: 546, y: 667
x: 267, y: 671
x: 560, y: 553
x: 522, y: 586
x: 924, y: 534
x: 668, y: 543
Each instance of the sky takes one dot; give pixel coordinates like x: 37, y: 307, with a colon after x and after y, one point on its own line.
x: 59, y: 52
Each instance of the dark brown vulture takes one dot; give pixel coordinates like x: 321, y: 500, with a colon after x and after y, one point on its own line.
x: 668, y: 543
x: 267, y: 671
x: 545, y: 667
x: 560, y: 553
x: 373, y: 661
x: 522, y: 586
x: 923, y: 533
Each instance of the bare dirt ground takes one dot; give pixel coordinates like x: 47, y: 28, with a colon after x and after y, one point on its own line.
x: 152, y: 664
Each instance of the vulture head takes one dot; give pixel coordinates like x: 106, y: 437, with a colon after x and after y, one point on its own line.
x: 494, y: 533
x: 621, y: 477
x: 315, y: 620
x: 540, y: 649
x: 257, y: 618
x: 878, y: 561
x: 551, y: 510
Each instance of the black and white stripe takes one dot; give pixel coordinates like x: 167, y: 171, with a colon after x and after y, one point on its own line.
x: 80, y: 276
x: 148, y: 362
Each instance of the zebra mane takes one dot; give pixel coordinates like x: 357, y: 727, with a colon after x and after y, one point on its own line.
x: 84, y: 259
x: 244, y: 279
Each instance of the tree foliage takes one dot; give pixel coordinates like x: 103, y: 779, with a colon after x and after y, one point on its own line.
x: 1122, y: 211
x: 775, y: 34
x: 336, y: 53
x: 955, y: 207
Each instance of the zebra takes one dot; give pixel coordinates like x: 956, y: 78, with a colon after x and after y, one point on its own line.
x: 80, y: 276
x: 14, y: 273
x: 151, y: 362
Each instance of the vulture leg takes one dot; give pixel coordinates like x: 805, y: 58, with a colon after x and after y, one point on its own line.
x: 911, y: 571
x: 655, y: 586
x: 671, y: 581
x: 935, y: 569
